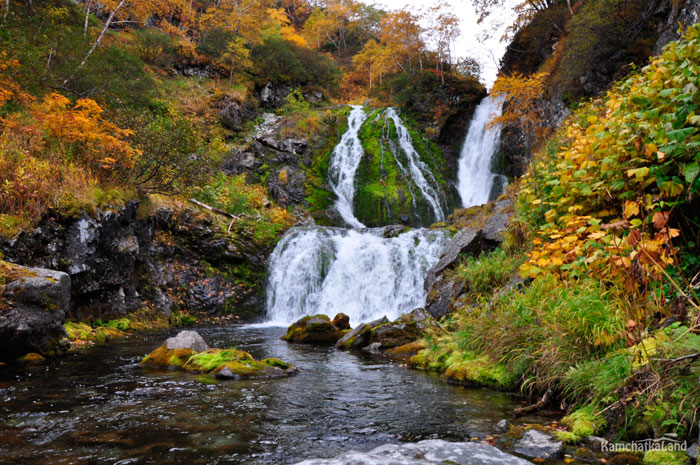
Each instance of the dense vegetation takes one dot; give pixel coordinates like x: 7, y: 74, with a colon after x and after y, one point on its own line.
x: 606, y: 237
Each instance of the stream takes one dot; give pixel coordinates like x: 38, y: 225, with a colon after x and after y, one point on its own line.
x: 100, y: 407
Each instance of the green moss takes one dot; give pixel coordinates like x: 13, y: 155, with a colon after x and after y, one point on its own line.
x: 167, y: 358
x: 205, y: 362
x: 275, y: 362
x: 665, y: 457
x: 469, y: 368
x: 582, y: 423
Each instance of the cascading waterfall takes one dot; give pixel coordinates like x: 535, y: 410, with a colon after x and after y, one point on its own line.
x: 345, y: 159
x: 419, y: 171
x: 475, y: 179
x: 357, y: 271
x: 360, y: 273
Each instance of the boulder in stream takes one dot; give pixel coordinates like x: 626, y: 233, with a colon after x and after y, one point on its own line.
x: 539, y: 445
x: 432, y: 451
x: 356, y: 339
x: 316, y: 329
x: 181, y: 353
x: 341, y: 321
x: 404, y: 330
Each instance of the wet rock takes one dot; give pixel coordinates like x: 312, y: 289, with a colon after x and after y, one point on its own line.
x: 316, y: 329
x: 341, y: 321
x: 32, y: 358
x: 182, y: 353
x: 405, y: 329
x: 356, y: 339
x: 466, y: 241
x: 539, y: 445
x: 502, y: 426
x: 373, y: 348
x: 693, y: 451
x: 274, y: 95
x: 378, y: 321
x: 433, y: 451
x: 187, y: 340
x: 37, y: 301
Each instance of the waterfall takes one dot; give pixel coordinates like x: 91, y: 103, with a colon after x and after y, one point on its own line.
x: 419, y: 171
x: 475, y: 179
x: 360, y: 273
x: 345, y: 159
x: 357, y: 271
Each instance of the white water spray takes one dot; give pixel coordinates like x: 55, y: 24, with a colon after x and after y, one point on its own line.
x: 362, y: 274
x: 419, y: 171
x: 345, y: 159
x: 474, y: 176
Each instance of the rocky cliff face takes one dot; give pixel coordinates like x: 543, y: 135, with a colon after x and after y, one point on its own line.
x: 120, y: 260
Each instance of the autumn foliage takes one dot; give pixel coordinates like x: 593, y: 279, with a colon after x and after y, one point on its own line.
x: 606, y: 193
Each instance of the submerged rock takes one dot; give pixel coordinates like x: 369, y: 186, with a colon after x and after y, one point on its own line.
x: 539, y: 445
x: 32, y: 319
x: 433, y: 451
x: 316, y: 329
x: 181, y: 352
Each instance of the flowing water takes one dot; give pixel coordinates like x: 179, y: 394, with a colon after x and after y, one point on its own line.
x: 360, y: 273
x: 475, y: 179
x: 420, y: 173
x: 345, y: 159
x: 100, y: 407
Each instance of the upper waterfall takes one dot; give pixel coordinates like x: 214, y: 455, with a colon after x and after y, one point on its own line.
x: 418, y: 170
x: 474, y: 176
x: 360, y: 273
x: 343, y: 166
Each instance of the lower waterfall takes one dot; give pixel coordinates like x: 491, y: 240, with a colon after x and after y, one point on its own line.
x: 360, y: 273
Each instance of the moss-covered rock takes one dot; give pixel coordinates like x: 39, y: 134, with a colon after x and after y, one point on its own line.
x: 581, y: 424
x: 316, y: 329
x: 405, y: 329
x: 356, y: 339
x: 664, y: 457
x: 220, y: 363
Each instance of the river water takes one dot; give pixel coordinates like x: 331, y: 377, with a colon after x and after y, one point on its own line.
x: 100, y: 407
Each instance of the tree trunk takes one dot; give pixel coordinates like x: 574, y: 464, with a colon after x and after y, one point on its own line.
x: 88, y: 4
x: 98, y: 40
x: 7, y: 9
x: 571, y: 10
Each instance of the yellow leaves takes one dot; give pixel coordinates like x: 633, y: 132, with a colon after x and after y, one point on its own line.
x: 638, y: 173
x: 630, y: 209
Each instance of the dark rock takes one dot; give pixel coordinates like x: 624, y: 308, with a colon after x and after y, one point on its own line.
x: 37, y: 303
x: 274, y: 95
x: 596, y: 443
x: 187, y: 340
x: 441, y: 297
x: 316, y: 329
x: 233, y: 114
x: 341, y: 321
x: 373, y: 348
x: 428, y: 452
x: 539, y: 445
x: 356, y: 339
x: 502, y: 426
x: 466, y: 241
x: 379, y: 321
x: 405, y: 329
x: 394, y: 230
x: 495, y: 228
x: 678, y: 20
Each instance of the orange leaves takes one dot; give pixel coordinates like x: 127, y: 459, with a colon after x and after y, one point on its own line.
x: 99, y: 143
x: 522, y: 110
